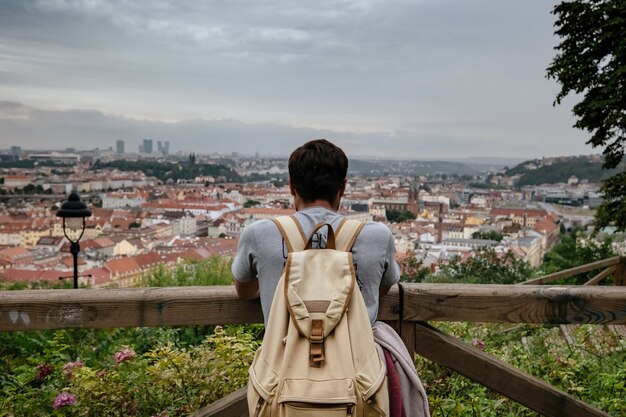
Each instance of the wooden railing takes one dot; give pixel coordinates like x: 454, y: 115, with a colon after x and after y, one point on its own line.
x: 530, y: 303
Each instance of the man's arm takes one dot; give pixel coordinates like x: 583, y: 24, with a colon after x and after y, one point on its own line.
x: 247, y: 290
x: 391, y: 273
x: 244, y: 266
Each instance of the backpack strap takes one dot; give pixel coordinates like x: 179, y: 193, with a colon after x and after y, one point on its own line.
x: 291, y: 232
x: 347, y: 233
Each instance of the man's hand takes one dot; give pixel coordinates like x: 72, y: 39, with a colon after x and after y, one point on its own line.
x: 248, y: 290
x: 383, y: 290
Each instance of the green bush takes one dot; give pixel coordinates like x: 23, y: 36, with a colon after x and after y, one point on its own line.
x: 164, y: 381
x: 211, y: 271
x: 591, y: 369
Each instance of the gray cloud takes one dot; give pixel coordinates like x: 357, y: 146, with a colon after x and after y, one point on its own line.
x: 448, y: 78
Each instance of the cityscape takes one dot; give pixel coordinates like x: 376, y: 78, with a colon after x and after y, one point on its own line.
x: 139, y: 141
x: 140, y: 221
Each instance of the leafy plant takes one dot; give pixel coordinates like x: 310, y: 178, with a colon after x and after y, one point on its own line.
x: 590, y: 369
x: 165, y: 380
x: 212, y: 271
x: 485, y: 267
x: 575, y: 250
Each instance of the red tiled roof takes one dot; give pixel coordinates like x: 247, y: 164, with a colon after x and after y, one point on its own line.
x: 104, y: 241
x: 11, y: 254
x: 260, y: 210
x: 518, y: 212
x: 20, y: 275
x: 545, y: 226
x: 5, y: 219
x: 148, y: 260
x: 99, y: 276
x: 88, y: 244
x: 29, y: 275
x: 122, y: 266
x: 69, y: 261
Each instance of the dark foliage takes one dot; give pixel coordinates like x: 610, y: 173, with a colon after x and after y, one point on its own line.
x: 591, y: 61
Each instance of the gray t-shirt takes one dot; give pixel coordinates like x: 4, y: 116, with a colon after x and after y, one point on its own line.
x: 263, y: 253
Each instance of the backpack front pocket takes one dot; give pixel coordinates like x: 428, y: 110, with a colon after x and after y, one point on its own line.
x: 316, y: 410
x: 309, y: 398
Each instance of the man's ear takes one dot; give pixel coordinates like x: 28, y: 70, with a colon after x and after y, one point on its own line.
x: 292, y: 189
x: 342, y: 189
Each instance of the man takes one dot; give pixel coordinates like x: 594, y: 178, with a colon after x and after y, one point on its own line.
x: 317, y: 180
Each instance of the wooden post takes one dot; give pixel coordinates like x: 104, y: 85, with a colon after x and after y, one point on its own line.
x: 407, y: 334
x: 620, y: 272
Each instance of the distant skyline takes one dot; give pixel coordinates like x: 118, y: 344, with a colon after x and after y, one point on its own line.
x: 413, y: 79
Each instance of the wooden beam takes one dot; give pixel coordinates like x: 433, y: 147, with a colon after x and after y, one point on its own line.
x: 573, y: 271
x: 139, y: 307
x: 595, y: 280
x: 128, y: 307
x: 515, y: 303
x: 499, y: 376
x: 233, y: 405
x: 620, y: 274
x: 389, y: 308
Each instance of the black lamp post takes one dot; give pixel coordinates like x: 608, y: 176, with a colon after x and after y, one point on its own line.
x: 73, y: 212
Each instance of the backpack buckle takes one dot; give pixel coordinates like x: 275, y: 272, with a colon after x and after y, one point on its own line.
x: 316, y: 343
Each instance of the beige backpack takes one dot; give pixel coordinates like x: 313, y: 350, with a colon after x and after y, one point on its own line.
x: 318, y: 356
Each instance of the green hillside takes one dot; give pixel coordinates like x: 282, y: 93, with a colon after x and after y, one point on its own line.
x: 561, y: 169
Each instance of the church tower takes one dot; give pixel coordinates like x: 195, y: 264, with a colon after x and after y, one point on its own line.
x: 413, y: 199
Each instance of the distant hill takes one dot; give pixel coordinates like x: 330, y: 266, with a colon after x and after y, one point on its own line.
x: 489, y: 164
x: 402, y: 167
x: 168, y: 171
x: 559, y: 170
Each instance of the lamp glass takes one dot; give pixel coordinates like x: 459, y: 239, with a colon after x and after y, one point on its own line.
x: 74, y: 223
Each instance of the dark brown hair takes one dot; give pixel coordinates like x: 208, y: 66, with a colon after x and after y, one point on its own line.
x: 318, y: 170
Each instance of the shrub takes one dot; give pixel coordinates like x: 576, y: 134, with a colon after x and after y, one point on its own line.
x: 590, y: 369
x: 165, y: 380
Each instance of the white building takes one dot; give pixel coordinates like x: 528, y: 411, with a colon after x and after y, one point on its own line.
x: 122, y: 200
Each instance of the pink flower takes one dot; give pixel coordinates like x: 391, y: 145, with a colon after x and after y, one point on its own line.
x: 43, y: 370
x: 480, y: 344
x: 101, y: 374
x: 63, y: 399
x: 70, y: 366
x: 123, y: 355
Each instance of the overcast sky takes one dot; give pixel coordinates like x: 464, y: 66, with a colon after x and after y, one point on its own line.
x: 387, y: 78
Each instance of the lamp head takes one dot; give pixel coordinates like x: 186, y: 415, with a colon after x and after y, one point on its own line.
x: 73, y: 213
x: 73, y: 208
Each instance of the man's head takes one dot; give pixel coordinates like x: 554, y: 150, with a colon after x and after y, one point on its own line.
x: 317, y: 171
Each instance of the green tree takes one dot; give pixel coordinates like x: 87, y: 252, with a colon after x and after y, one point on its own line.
x: 575, y: 250
x: 591, y: 62
x: 414, y: 271
x: 251, y: 203
x: 211, y: 271
x: 489, y: 235
x: 485, y: 267
x: 399, y: 216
